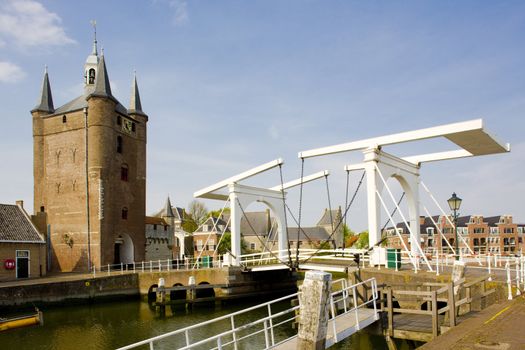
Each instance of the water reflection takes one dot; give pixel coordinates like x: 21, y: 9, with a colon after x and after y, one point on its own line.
x: 111, y: 325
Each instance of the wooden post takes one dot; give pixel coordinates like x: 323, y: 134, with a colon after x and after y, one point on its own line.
x: 390, y: 310
x: 451, y: 305
x: 313, y: 314
x: 468, y: 294
x: 435, y: 316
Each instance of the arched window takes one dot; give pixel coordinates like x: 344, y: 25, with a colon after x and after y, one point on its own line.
x: 91, y: 76
x: 124, y: 172
x: 124, y: 213
x: 64, y: 119
x: 119, y: 144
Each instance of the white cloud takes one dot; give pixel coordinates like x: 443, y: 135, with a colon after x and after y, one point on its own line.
x: 10, y: 72
x: 180, y: 9
x: 28, y: 23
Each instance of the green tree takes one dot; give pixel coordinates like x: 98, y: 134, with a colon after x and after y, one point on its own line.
x: 216, y: 213
x: 226, y: 244
x: 362, y: 241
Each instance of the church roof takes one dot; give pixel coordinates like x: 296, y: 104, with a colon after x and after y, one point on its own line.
x: 15, y: 226
x: 46, y: 99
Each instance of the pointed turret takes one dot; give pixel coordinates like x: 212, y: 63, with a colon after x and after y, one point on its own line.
x: 102, y: 86
x: 45, y: 103
x: 168, y: 210
x: 135, y: 107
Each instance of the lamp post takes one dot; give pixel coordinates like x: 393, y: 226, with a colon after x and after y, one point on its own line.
x: 454, y: 203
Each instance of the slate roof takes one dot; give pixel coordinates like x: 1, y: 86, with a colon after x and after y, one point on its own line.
x: 325, y: 219
x: 15, y: 225
x: 312, y: 233
x: 45, y: 103
x: 80, y: 102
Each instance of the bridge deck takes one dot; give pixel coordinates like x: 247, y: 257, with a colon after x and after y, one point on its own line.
x: 345, y: 326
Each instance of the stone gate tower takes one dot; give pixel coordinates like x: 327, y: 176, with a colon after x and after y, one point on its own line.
x: 90, y: 173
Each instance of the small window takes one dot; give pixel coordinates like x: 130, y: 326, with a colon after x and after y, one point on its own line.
x: 252, y: 246
x: 64, y: 119
x: 155, y: 227
x: 119, y: 144
x: 133, y: 127
x: 42, y: 209
x: 119, y: 120
x: 124, y: 173
x: 165, y: 228
x: 91, y: 76
x: 124, y: 213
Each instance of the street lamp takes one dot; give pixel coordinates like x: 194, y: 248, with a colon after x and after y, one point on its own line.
x: 454, y: 203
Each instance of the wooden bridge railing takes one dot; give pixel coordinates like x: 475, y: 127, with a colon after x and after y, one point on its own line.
x: 435, y: 293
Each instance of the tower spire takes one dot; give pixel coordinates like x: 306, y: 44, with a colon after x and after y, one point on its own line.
x: 135, y: 106
x: 46, y: 99
x: 94, y: 24
x: 168, y: 211
x: 102, y: 86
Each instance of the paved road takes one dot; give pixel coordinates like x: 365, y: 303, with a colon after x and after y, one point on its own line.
x: 499, y: 327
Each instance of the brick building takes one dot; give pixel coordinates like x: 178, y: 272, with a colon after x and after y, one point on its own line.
x: 90, y: 172
x: 22, y: 247
x: 494, y: 234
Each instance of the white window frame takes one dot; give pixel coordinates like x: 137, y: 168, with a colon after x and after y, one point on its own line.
x: 28, y: 261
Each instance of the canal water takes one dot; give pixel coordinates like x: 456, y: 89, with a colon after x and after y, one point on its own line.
x: 112, y: 325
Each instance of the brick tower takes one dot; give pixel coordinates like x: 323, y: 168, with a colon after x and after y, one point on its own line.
x: 90, y: 173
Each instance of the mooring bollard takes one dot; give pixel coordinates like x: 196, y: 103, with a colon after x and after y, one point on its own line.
x: 314, y: 310
x: 509, y: 282
x: 121, y: 268
x: 150, y: 266
x: 142, y: 265
x: 160, y: 266
x: 94, y: 271
x: 108, y: 270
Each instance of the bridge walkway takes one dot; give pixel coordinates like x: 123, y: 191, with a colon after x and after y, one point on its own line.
x: 345, y: 325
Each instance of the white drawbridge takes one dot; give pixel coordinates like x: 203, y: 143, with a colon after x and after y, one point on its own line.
x: 470, y: 136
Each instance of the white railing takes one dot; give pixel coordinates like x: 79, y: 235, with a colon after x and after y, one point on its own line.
x: 235, y: 334
x: 348, y: 297
x: 158, y: 265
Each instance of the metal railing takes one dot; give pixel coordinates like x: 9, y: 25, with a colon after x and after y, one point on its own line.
x: 342, y: 301
x: 237, y: 333
x: 345, y: 301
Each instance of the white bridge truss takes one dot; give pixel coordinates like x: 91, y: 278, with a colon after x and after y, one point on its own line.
x: 470, y: 136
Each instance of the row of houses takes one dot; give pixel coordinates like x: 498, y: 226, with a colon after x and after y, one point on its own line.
x: 494, y: 234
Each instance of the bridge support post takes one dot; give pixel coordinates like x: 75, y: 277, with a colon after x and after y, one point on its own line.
x: 313, y: 314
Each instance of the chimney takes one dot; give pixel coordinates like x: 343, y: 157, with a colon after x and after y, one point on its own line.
x: 20, y: 203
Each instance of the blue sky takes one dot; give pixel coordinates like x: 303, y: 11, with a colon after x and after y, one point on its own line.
x: 229, y: 85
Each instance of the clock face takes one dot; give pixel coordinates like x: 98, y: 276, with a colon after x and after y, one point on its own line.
x: 127, y: 126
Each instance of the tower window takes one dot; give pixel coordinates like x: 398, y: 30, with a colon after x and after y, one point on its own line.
x: 119, y: 120
x: 155, y: 227
x: 133, y: 127
x: 91, y: 76
x: 124, y: 213
x: 119, y: 144
x: 42, y: 209
x: 124, y: 173
x: 64, y: 119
